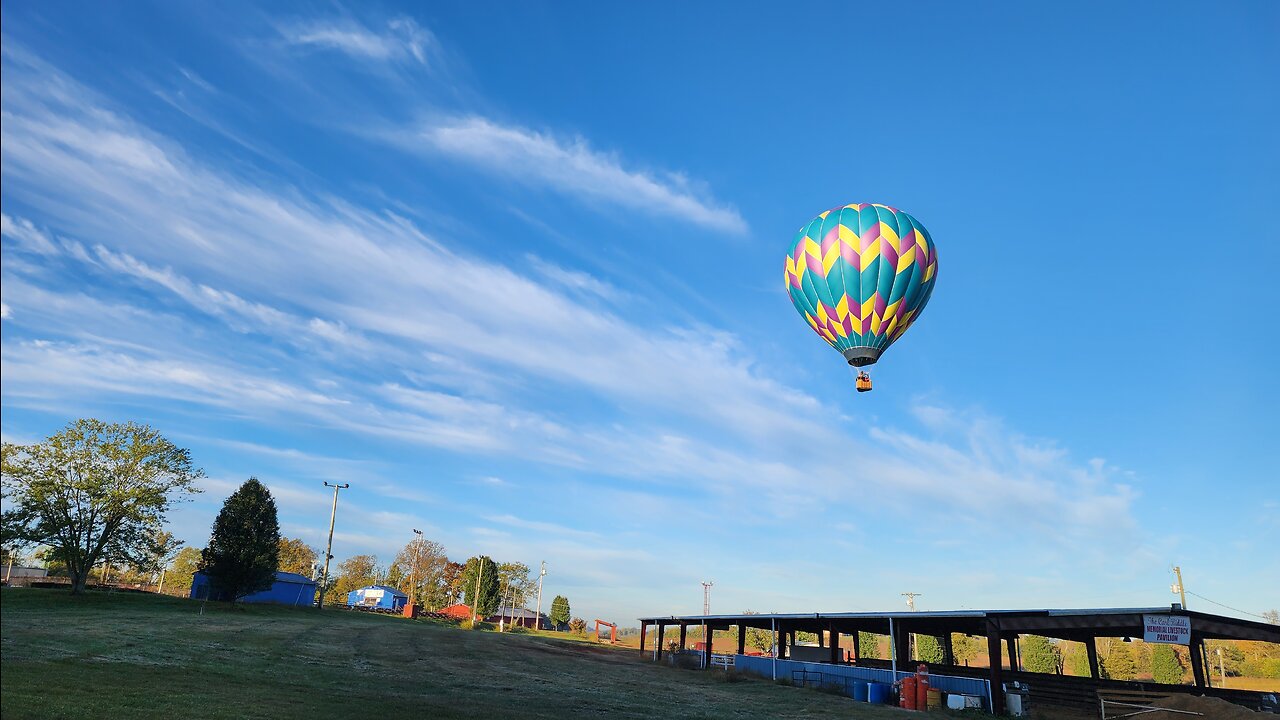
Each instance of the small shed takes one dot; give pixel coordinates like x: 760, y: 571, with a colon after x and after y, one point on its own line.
x: 460, y: 611
x: 288, y: 589
x: 377, y: 597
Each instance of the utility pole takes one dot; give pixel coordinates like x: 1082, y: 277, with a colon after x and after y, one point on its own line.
x: 537, y: 618
x: 911, y: 599
x: 1178, y: 587
x: 413, y: 568
x: 328, y: 549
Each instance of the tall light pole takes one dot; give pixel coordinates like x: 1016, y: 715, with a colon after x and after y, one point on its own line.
x: 537, y: 618
x: 413, y: 567
x: 328, y: 549
x: 706, y: 628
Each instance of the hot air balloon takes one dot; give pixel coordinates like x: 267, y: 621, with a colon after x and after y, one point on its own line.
x: 860, y: 275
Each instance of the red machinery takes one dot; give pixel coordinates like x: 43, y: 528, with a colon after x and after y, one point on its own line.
x: 613, y: 630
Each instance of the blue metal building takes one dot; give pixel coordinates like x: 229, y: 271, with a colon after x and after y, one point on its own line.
x: 288, y: 589
x: 377, y: 597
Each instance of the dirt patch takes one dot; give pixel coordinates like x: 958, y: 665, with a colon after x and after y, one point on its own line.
x: 1211, y: 707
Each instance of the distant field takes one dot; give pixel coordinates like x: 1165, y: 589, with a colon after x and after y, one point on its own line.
x: 143, y: 656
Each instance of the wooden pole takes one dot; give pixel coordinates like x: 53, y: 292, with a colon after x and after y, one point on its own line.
x: 742, y: 639
x: 1091, y: 647
x: 684, y: 629
x: 662, y: 636
x: 644, y: 630
x: 834, y: 641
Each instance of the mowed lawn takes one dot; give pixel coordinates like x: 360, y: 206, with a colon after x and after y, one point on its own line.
x: 144, y: 656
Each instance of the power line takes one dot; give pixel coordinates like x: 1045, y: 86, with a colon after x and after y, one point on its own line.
x: 1215, y: 602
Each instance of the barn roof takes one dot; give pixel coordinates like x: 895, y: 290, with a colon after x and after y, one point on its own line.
x: 289, y: 577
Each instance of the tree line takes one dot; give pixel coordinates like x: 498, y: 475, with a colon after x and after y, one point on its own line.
x: 95, y: 495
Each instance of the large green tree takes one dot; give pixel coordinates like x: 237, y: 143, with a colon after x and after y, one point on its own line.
x: 1039, y: 655
x: 1118, y: 664
x: 185, y: 565
x: 560, y: 612
x: 1165, y: 665
x: 868, y: 645
x: 296, y: 556
x: 516, y: 584
x: 354, y: 573
x: 1076, y: 660
x: 244, y: 548
x: 420, y: 569
x: 929, y: 649
x: 97, y: 491
x: 966, y: 648
x: 482, y: 596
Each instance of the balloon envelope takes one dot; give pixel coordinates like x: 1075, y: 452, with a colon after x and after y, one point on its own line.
x: 860, y: 275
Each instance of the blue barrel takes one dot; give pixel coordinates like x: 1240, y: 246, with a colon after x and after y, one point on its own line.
x: 860, y: 691
x: 878, y: 693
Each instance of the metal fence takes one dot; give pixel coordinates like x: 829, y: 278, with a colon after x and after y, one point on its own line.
x: 828, y: 675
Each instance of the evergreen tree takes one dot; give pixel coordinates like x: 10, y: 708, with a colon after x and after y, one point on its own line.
x: 560, y: 613
x: 1039, y: 655
x: 1165, y: 666
x: 486, y: 570
x: 929, y: 650
x: 244, y: 549
x: 868, y: 646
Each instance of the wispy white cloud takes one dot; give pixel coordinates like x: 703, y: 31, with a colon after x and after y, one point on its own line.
x: 689, y: 412
x: 401, y: 39
x: 573, y: 167
x: 27, y: 236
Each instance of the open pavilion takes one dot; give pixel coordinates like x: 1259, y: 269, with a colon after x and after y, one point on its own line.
x: 998, y: 627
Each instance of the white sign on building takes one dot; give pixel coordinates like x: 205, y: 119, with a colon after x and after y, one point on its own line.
x: 1170, y: 629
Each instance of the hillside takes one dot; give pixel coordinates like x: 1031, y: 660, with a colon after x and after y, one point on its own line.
x: 144, y: 656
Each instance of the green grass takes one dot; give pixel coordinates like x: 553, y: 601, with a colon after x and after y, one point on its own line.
x: 146, y: 656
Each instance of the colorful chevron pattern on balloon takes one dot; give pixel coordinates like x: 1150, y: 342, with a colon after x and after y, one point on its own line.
x: 860, y: 275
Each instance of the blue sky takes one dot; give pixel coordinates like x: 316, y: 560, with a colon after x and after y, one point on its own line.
x: 514, y: 271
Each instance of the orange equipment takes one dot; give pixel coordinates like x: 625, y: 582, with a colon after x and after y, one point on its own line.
x: 907, y: 695
x: 864, y: 382
x: 613, y: 631
x: 922, y: 687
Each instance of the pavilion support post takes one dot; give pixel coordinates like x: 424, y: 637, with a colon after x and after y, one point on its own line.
x: 1091, y: 647
x: 782, y: 644
x: 710, y: 637
x: 1011, y: 644
x: 684, y: 631
x: 819, y: 634
x: 661, y: 637
x: 742, y: 639
x: 644, y: 629
x: 948, y: 650
x: 855, y: 636
x: 902, y: 645
x: 834, y: 642
x: 1197, y: 658
x: 997, y: 671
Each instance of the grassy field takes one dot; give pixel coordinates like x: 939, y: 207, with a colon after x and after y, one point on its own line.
x: 144, y: 656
